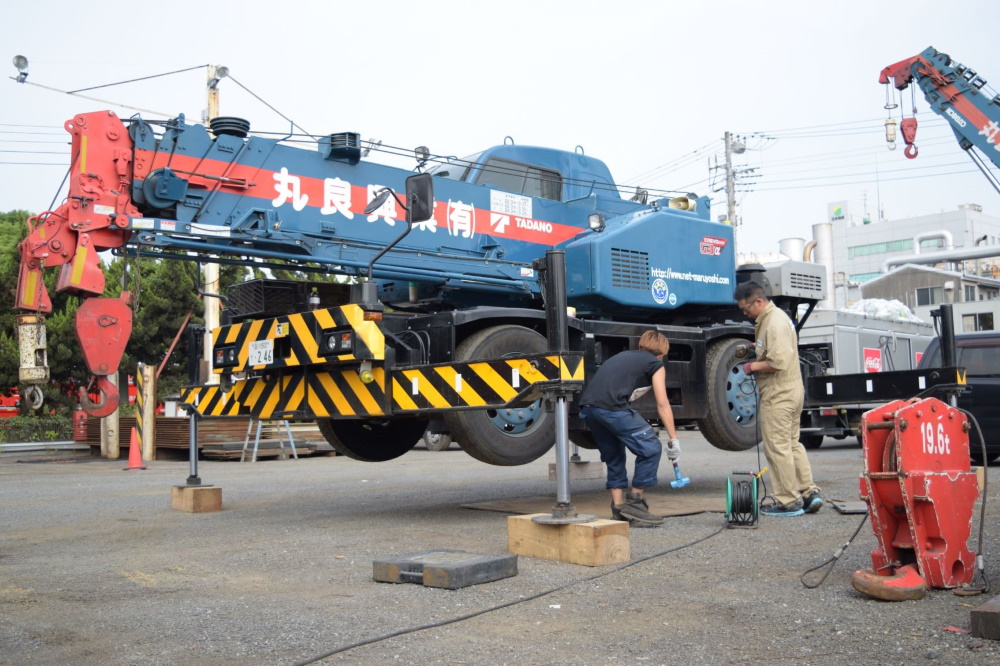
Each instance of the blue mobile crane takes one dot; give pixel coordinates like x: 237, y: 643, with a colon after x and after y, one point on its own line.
x: 443, y: 322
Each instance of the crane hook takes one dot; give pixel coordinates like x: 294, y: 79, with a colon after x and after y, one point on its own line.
x: 108, y: 401
x: 908, y: 127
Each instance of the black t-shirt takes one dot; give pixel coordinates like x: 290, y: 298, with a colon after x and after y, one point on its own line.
x: 618, y: 377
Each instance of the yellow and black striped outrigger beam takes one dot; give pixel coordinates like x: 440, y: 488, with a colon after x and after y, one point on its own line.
x: 309, y: 393
x: 302, y: 332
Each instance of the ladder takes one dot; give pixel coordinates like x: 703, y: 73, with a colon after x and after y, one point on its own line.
x: 281, y: 440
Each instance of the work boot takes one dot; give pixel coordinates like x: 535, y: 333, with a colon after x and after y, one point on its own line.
x: 616, y: 511
x: 793, y: 509
x: 812, y: 502
x: 636, y: 512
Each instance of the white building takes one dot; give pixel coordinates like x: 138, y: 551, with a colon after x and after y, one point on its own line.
x: 865, y: 250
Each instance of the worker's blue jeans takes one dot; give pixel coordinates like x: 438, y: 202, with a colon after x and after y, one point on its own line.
x: 614, y: 431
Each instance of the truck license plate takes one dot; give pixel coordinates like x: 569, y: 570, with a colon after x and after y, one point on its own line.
x: 261, y: 352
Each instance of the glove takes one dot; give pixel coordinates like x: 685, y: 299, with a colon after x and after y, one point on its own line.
x: 673, y: 448
x: 748, y: 367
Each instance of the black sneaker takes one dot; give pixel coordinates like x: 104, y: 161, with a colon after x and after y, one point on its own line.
x: 793, y: 509
x: 812, y: 502
x: 616, y: 511
x: 636, y: 512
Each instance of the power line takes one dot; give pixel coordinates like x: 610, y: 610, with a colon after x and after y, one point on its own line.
x: 845, y: 154
x: 143, y: 78
x: 864, y: 182
x: 852, y: 165
x: 881, y: 171
x: 59, y: 164
x: 811, y: 127
x: 66, y: 142
x: 878, y: 121
x: 95, y: 99
x: 259, y: 99
x: 678, y: 162
x: 22, y: 125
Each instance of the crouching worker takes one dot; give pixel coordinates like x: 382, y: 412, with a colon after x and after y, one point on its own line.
x: 616, y: 426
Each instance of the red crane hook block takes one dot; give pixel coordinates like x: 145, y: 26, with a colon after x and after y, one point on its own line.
x: 103, y: 326
x: 920, y: 493
x: 908, y: 128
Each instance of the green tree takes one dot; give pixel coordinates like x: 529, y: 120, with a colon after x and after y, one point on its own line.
x: 12, y: 230
x: 163, y: 293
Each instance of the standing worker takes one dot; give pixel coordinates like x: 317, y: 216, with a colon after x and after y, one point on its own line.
x: 617, y: 426
x: 776, y: 369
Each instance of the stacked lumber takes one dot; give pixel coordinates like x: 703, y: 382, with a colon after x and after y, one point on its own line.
x: 218, y: 438
x: 220, y: 444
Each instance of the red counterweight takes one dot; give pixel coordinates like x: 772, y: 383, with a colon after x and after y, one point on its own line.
x: 920, y: 493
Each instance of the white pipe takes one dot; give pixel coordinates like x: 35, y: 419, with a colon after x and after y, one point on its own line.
x: 945, y: 255
x: 949, y: 241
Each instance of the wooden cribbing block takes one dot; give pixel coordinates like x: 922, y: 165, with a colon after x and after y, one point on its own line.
x: 196, y: 499
x: 592, y: 544
x: 985, y: 620
x: 580, y: 470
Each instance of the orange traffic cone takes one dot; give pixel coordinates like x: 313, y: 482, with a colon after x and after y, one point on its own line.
x: 134, y: 454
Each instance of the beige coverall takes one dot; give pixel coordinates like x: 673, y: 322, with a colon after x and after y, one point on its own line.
x: 781, y: 396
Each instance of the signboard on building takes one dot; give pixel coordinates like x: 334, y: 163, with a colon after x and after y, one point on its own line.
x: 845, y: 213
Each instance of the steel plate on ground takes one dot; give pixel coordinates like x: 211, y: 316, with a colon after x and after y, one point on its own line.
x: 450, y: 569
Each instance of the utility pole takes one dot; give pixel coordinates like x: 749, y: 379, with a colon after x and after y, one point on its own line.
x: 211, y: 271
x: 731, y: 188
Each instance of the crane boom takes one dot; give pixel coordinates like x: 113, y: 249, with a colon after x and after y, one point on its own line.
x: 959, y: 95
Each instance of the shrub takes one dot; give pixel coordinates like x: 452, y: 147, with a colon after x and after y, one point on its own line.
x: 36, y: 428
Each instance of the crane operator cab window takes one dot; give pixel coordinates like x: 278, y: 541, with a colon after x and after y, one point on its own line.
x: 455, y: 169
x: 520, y: 178
x: 504, y: 175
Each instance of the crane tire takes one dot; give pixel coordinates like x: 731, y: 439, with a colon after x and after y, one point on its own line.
x: 583, y: 438
x: 811, y: 442
x: 368, y: 440
x: 731, y: 422
x: 504, y: 437
x: 436, y: 441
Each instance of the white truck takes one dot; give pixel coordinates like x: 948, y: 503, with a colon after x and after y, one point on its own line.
x: 873, y: 336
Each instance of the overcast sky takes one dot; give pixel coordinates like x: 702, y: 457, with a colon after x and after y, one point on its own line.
x: 649, y: 87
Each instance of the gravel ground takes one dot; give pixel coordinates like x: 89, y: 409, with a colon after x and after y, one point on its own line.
x: 96, y: 568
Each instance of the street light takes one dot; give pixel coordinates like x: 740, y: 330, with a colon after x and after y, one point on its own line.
x: 21, y: 63
x: 221, y: 72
